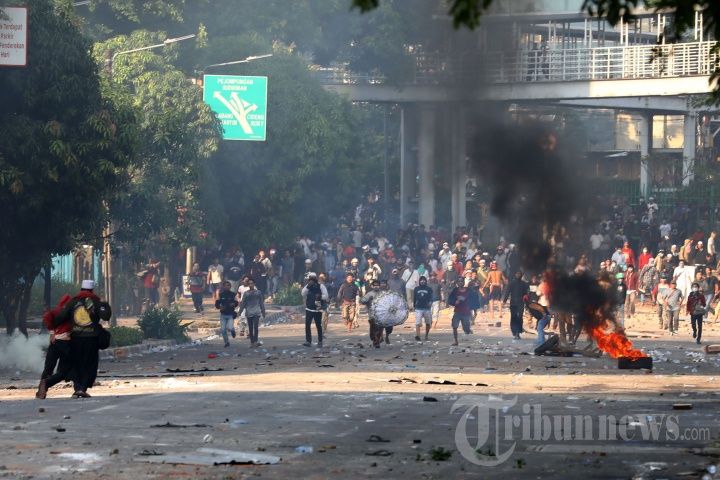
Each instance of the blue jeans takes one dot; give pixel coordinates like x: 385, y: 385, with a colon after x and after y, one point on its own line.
x: 542, y: 323
x: 226, y: 323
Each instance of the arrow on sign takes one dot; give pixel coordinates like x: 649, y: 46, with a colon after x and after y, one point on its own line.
x: 239, y: 108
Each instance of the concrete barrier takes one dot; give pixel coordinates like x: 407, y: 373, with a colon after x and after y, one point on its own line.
x: 117, y: 353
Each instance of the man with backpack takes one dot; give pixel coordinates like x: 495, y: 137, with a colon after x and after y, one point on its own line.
x: 81, y: 316
x: 316, y: 298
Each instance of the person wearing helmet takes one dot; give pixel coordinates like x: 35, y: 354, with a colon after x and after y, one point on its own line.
x: 495, y: 282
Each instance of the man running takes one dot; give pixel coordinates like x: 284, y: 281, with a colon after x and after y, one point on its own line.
x: 422, y: 301
x: 226, y: 303
x: 348, y: 294
x: 461, y: 298
x: 516, y: 291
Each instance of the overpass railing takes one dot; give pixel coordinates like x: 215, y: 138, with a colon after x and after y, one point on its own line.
x: 597, y: 63
x: 600, y: 63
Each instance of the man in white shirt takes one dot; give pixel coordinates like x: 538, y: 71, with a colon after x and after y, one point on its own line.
x: 665, y: 229
x: 596, y: 241
x: 711, y: 250
x: 215, y: 277
x: 652, y: 208
x: 411, y: 278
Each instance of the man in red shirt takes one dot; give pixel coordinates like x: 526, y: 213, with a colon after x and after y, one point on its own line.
x: 629, y: 254
x: 58, y: 351
x: 631, y: 285
x: 644, y: 258
x: 463, y: 299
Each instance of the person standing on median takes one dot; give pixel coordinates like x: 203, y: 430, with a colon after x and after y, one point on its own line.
x: 227, y: 304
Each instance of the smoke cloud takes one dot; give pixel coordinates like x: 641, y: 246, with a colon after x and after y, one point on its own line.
x: 21, y: 353
x: 536, y: 192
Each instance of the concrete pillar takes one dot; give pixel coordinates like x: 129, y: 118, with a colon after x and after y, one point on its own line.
x: 408, y: 164
x: 459, y: 169
x: 426, y: 166
x: 689, y: 148
x: 645, y: 133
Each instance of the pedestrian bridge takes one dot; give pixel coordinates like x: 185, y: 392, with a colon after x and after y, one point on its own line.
x: 547, y: 75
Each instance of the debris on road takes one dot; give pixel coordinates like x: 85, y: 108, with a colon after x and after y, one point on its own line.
x: 625, y: 363
x: 179, y: 425
x: 211, y: 457
x: 711, y: 349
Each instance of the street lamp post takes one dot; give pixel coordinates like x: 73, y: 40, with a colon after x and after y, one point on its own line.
x: 107, y: 231
x: 249, y: 59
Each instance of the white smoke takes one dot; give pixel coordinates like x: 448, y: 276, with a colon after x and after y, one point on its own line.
x: 22, y: 353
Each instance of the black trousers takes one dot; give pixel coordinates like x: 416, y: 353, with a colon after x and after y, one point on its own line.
x: 197, y: 299
x: 58, y: 353
x: 696, y: 322
x: 253, y: 324
x: 516, y: 319
x: 85, y: 360
x: 309, y: 318
x: 376, y: 332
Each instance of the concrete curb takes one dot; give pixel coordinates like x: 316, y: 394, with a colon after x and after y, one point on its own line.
x: 118, y: 353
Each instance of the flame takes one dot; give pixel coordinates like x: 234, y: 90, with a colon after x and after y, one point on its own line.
x: 615, y: 344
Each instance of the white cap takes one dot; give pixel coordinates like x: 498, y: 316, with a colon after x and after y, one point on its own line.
x: 88, y: 284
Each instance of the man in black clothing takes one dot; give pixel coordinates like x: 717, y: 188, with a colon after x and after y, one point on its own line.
x: 422, y: 301
x: 517, y: 289
x: 227, y: 304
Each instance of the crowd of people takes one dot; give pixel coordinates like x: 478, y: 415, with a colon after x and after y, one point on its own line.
x: 638, y: 248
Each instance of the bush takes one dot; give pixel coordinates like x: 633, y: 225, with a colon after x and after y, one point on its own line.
x: 163, y: 323
x: 289, y: 295
x: 124, y: 336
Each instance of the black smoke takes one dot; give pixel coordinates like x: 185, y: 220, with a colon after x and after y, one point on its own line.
x: 534, y: 175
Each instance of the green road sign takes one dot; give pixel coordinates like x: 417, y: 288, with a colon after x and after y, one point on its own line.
x: 240, y: 102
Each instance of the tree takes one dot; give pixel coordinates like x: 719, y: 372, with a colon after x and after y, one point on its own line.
x: 63, y: 150
x: 157, y: 213
x: 319, y: 156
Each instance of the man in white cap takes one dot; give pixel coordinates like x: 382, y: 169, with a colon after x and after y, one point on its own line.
x: 84, y: 312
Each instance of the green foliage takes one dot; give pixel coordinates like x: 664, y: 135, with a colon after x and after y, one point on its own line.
x: 124, y: 336
x: 163, y: 323
x: 320, y: 151
x: 289, y: 295
x: 440, y: 454
x: 64, y: 151
x: 58, y: 288
x: 178, y: 133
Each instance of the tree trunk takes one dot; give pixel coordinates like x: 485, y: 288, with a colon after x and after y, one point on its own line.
x: 9, y: 308
x: 25, y: 296
x: 47, y: 291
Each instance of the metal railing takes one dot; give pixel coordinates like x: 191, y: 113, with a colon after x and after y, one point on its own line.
x: 600, y: 63
x: 597, y: 63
